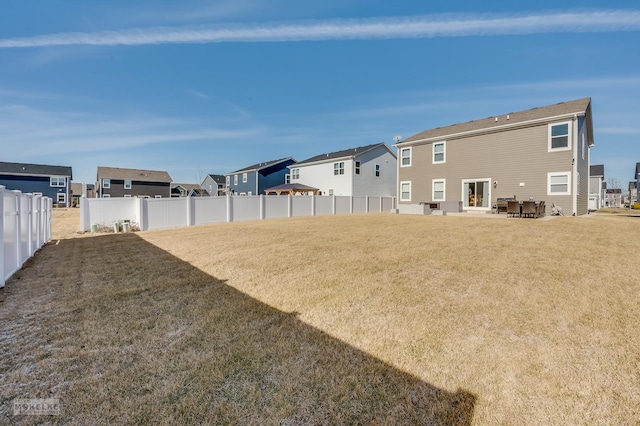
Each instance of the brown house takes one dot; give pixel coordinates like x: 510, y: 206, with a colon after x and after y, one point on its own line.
x: 541, y: 153
x: 117, y: 182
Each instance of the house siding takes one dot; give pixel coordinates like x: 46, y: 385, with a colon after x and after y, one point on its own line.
x: 367, y: 183
x: 321, y: 176
x: 138, y: 189
x: 510, y: 158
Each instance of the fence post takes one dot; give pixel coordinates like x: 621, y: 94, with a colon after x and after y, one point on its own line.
x: 366, y: 204
x: 351, y: 201
x: 289, y: 205
x: 30, y: 224
x: 16, y: 202
x: 333, y: 204
x: 313, y: 204
x: 190, y: 210
x: 261, y: 200
x: 2, y: 236
x: 229, y: 208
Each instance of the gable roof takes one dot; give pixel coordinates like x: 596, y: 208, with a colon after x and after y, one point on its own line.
x: 134, y: 174
x: 34, y: 169
x: 556, y: 111
x: 219, y: 179
x: 597, y: 170
x: 345, y: 153
x: 260, y: 166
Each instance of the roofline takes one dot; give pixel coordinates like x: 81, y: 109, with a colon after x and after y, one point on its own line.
x: 492, y: 129
x: 269, y: 164
x: 333, y: 159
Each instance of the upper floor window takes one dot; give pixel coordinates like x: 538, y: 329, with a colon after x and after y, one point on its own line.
x: 106, y: 183
x: 287, y: 178
x: 439, y: 152
x: 228, y: 180
x: 560, y: 136
x: 405, y: 157
x: 295, y: 174
x: 235, y: 179
x: 338, y: 168
x: 244, y: 178
x: 357, y: 167
x: 58, y: 181
x: 127, y: 184
x: 377, y: 170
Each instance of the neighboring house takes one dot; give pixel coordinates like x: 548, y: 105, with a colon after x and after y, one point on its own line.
x: 81, y: 190
x: 117, y: 182
x: 541, y: 153
x: 253, y: 180
x: 596, y: 187
x: 367, y: 170
x: 187, y: 190
x: 637, y: 179
x: 613, y: 197
x: 214, y: 184
x: 49, y: 181
x: 633, y: 192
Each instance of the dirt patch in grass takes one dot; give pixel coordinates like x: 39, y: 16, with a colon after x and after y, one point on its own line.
x: 332, y: 320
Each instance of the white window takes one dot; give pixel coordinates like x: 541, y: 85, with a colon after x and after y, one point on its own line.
x: 559, y: 183
x: 560, y: 136
x: 228, y: 180
x: 331, y: 192
x: 295, y: 174
x: 287, y: 178
x: 338, y: 168
x: 438, y: 191
x: 127, y: 195
x: 357, y: 169
x: 439, y: 152
x: 158, y: 196
x: 58, y: 181
x: 244, y: 178
x: 106, y: 183
x: 235, y: 179
x: 405, y: 157
x: 405, y: 191
x: 106, y: 196
x: 377, y: 170
x: 127, y: 184
x: 249, y: 193
x: 584, y: 146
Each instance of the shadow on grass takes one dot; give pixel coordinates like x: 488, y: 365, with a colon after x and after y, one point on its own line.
x: 133, y: 334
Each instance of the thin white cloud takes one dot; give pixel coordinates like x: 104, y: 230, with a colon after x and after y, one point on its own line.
x: 354, y: 29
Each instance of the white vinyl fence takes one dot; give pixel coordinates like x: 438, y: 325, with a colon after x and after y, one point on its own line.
x: 25, y: 226
x: 148, y: 213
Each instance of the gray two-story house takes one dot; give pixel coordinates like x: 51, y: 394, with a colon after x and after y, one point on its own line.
x: 540, y: 154
x: 118, y: 182
x: 253, y: 180
x: 50, y: 181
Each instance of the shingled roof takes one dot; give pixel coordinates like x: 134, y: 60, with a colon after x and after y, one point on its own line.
x: 34, y: 169
x: 345, y: 153
x: 596, y: 170
x: 260, y: 166
x: 133, y: 174
x: 562, y: 109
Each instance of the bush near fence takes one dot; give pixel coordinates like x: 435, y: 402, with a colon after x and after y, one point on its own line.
x: 25, y: 226
x: 149, y: 214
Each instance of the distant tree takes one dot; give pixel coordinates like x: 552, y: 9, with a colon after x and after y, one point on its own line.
x: 613, y: 183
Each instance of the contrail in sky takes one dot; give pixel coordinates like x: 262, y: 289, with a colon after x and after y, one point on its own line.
x: 349, y: 29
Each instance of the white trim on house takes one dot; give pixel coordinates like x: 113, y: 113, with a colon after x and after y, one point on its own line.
x: 106, y: 183
x: 569, y: 135
x: 486, y: 197
x: 408, y: 157
x: 443, y: 190
x: 408, y: 190
x: 127, y: 184
x: 567, y: 181
x: 443, y: 153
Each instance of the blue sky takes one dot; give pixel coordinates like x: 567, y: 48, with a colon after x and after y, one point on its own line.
x: 197, y: 87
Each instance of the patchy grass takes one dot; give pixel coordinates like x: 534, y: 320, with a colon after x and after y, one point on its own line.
x: 384, y: 319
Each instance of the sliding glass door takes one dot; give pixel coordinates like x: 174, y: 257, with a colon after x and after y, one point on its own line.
x: 476, y: 193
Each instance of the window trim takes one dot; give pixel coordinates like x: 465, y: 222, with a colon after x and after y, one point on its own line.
x: 550, y: 139
x: 433, y: 189
x: 338, y: 168
x: 409, y: 157
x: 357, y: 168
x: 295, y: 174
x: 106, y: 195
x: 56, y: 179
x: 106, y: 183
x: 407, y: 182
x: 129, y: 184
x: 244, y: 178
x: 553, y: 174
x: 235, y: 179
x: 444, y: 152
x: 228, y: 181
x: 377, y: 169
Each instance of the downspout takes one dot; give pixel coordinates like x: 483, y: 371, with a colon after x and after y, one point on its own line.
x: 257, y: 183
x: 574, y: 163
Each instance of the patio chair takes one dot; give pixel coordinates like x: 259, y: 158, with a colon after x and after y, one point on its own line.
x: 529, y: 209
x: 556, y: 210
x: 513, y: 208
x: 542, y: 209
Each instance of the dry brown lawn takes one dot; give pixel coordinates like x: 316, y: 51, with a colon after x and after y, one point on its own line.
x: 363, y: 319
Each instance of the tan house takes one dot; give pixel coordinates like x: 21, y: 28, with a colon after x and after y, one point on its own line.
x: 540, y: 154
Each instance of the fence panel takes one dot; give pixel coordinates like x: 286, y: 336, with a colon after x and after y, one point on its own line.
x: 343, y: 205
x: 167, y: 212
x: 106, y: 211
x: 388, y: 203
x: 302, y: 206
x: 25, y: 227
x: 245, y: 208
x: 359, y: 204
x: 210, y: 210
x: 276, y: 206
x: 10, y: 234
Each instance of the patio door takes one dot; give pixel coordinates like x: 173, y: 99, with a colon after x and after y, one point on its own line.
x: 476, y: 193
x: 61, y: 199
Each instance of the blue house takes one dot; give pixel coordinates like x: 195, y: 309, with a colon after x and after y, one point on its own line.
x: 253, y: 180
x: 49, y: 181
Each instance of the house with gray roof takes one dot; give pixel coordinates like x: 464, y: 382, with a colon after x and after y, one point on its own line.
x: 363, y: 171
x: 50, y: 181
x: 540, y: 153
x: 253, y: 180
x: 597, y: 187
x: 636, y: 177
x: 119, y: 182
x: 214, y: 184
